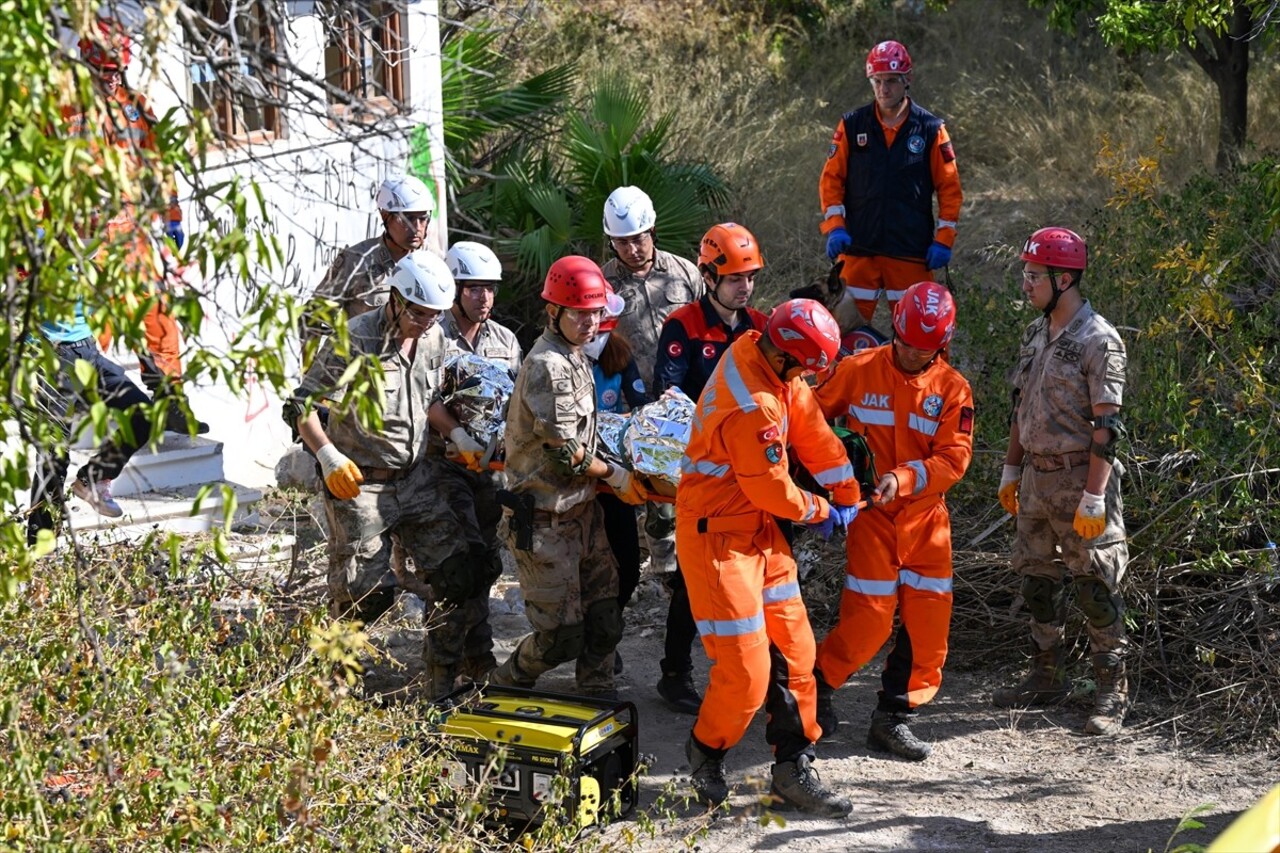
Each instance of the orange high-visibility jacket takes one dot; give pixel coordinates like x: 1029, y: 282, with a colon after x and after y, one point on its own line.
x: 919, y: 427
x: 736, y: 460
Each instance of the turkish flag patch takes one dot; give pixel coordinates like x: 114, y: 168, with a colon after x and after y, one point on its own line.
x: 674, y: 349
x: 966, y: 419
x: 948, y: 153
x: 769, y: 433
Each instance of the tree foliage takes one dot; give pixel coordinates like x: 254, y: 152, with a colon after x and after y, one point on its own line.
x: 1218, y: 35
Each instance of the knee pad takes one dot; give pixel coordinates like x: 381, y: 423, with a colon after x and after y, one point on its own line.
x: 604, y: 625
x: 566, y: 644
x: 1043, y: 597
x: 453, y: 581
x: 1101, y: 606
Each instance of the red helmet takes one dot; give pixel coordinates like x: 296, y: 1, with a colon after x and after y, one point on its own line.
x: 863, y: 337
x: 575, y: 282
x: 729, y: 248
x: 888, y: 57
x: 806, y: 331
x: 110, y: 49
x: 925, y: 316
x: 1057, y: 248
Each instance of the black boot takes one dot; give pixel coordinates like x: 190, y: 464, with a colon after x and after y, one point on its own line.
x: 889, y: 733
x: 175, y: 420
x: 680, y: 694
x: 827, y: 718
x: 796, y: 785
x: 706, y: 772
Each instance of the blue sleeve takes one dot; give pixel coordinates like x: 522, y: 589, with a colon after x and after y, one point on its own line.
x: 633, y: 386
x: 672, y: 364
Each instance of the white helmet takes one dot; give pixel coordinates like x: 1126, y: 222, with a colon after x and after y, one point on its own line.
x: 423, y: 279
x: 628, y: 211
x: 405, y: 194
x: 473, y: 262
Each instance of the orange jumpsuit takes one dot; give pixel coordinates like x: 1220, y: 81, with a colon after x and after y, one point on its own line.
x: 870, y: 270
x: 741, y: 576
x: 126, y: 121
x: 920, y: 428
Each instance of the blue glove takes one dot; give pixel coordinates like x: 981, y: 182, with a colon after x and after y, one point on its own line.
x: 174, y: 229
x: 937, y: 256
x: 838, y: 242
x: 840, y: 515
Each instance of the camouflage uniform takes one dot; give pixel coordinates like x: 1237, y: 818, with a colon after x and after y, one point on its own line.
x: 462, y: 531
x: 569, y: 578
x: 671, y: 282
x: 393, y: 499
x: 1059, y: 382
x: 355, y: 279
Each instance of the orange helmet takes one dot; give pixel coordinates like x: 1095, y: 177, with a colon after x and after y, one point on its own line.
x: 888, y: 57
x: 111, y: 49
x: 728, y: 249
x: 576, y: 282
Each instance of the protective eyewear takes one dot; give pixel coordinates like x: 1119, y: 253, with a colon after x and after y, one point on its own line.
x: 420, y: 219
x: 1030, y: 276
x: 583, y: 315
x: 418, y: 313
x: 636, y: 242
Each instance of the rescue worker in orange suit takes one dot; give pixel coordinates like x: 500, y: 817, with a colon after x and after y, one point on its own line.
x: 124, y: 119
x: 916, y: 412
x: 886, y: 162
x: 693, y: 339
x: 740, y: 572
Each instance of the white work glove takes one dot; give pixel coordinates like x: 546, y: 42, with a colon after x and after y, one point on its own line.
x: 340, y: 474
x: 1010, y: 483
x: 1091, y: 516
x: 625, y: 485
x: 469, y: 450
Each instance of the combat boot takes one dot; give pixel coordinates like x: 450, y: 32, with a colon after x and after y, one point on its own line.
x: 706, y: 773
x: 478, y: 669
x: 1045, y: 684
x: 677, y: 689
x: 827, y: 718
x: 508, y: 674
x: 796, y: 785
x: 889, y: 733
x: 442, y: 678
x: 1111, y: 702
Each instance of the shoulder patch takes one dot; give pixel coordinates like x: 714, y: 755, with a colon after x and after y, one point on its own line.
x: 773, y: 453
x: 966, y: 419
x: 770, y: 433
x: 947, y: 151
x: 674, y: 349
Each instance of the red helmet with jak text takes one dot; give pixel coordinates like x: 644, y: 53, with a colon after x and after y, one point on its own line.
x: 806, y: 331
x: 925, y: 316
x: 575, y: 282
x: 888, y: 57
x: 728, y: 249
x: 1056, y: 248
x: 109, y: 48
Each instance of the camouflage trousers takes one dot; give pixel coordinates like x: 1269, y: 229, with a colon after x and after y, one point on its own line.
x: 570, y: 585
x: 461, y: 530
x: 1047, y: 546
x: 361, y: 540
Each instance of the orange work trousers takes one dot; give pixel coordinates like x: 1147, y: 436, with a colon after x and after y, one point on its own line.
x: 745, y: 596
x: 164, y: 346
x: 901, y: 564
x: 868, y: 277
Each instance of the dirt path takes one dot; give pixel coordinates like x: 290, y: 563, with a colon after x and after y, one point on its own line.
x: 997, y: 781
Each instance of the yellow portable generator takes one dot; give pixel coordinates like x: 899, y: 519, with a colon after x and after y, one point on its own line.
x: 530, y: 749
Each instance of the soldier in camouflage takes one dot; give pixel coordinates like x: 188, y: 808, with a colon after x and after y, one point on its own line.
x: 568, y: 574
x: 465, y: 555
x: 652, y: 284
x: 355, y: 279
x: 375, y: 486
x: 1062, y: 481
